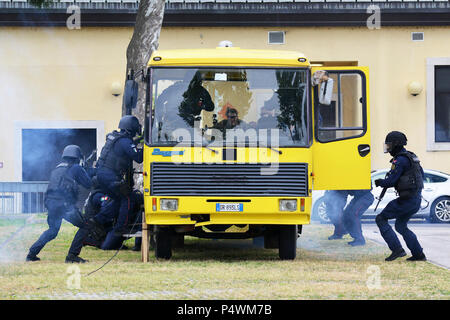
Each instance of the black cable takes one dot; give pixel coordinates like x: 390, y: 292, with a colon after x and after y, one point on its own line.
x: 115, y: 254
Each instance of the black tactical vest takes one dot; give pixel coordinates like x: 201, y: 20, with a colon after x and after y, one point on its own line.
x: 61, y: 186
x: 411, y: 180
x: 108, y: 157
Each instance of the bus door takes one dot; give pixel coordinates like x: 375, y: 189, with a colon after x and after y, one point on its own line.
x: 341, y: 148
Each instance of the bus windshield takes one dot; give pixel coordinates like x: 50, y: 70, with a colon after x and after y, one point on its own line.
x: 213, y: 106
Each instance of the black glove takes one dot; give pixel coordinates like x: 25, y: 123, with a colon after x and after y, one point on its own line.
x: 138, y: 139
x: 377, y: 182
x: 120, y: 188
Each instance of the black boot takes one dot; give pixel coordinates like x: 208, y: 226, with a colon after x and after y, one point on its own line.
x: 396, y: 254
x: 31, y: 257
x: 71, y: 258
x: 420, y: 257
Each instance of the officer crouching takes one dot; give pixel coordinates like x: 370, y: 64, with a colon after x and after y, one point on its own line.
x: 406, y: 176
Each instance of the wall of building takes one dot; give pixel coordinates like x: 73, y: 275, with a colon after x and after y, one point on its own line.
x: 56, y: 78
x: 55, y: 74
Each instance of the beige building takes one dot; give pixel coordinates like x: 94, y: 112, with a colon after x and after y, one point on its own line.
x: 54, y: 78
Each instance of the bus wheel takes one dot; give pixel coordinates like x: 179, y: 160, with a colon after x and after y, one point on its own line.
x: 288, y: 242
x: 163, y: 243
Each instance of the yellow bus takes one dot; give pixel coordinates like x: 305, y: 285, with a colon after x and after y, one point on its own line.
x: 236, y: 140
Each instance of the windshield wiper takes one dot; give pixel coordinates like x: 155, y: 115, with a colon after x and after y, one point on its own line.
x: 212, y: 150
x: 271, y: 148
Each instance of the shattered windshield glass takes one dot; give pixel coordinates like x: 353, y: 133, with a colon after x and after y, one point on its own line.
x: 222, y: 106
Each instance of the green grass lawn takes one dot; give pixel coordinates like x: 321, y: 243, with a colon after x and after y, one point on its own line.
x: 208, y: 269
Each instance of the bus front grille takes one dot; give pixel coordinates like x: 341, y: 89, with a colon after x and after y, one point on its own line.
x: 281, y: 179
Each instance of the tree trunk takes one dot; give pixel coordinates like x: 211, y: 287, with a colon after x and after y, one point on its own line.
x: 144, y: 41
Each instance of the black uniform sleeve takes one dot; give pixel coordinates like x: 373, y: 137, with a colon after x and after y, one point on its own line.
x: 81, y: 176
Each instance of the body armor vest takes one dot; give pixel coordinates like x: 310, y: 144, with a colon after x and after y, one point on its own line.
x: 61, y: 186
x: 411, y: 180
x: 108, y: 157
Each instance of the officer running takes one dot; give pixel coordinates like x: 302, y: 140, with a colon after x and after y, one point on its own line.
x: 406, y: 176
x: 115, y: 158
x: 61, y: 197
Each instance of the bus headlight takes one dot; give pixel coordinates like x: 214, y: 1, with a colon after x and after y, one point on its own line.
x: 168, y: 204
x: 288, y: 205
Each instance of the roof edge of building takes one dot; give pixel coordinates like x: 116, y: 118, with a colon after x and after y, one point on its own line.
x: 240, y: 14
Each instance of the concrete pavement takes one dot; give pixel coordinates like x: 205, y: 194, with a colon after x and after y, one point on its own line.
x: 434, y: 239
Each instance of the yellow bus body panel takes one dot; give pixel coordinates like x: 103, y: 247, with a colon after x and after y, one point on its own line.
x: 228, y: 57
x: 337, y: 165
x: 334, y: 165
x: 260, y: 210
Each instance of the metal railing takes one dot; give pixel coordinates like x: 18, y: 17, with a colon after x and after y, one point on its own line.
x: 22, y: 197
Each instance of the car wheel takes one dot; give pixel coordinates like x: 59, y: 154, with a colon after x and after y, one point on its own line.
x: 320, y: 211
x: 440, y: 210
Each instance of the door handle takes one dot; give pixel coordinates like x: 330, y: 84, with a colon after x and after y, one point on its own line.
x: 363, y: 150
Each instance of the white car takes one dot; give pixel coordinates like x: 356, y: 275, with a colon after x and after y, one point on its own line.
x: 435, y: 205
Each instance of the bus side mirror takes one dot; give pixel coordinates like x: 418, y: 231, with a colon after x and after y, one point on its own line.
x: 130, y: 96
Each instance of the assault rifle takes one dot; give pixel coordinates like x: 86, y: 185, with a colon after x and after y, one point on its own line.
x: 380, y: 197
x: 89, y: 161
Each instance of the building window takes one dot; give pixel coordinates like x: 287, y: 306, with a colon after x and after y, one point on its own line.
x: 442, y: 103
x: 276, y: 37
x: 42, y: 149
x: 438, y: 104
x: 39, y: 144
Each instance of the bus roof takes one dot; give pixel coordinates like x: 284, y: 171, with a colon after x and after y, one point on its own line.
x: 228, y: 56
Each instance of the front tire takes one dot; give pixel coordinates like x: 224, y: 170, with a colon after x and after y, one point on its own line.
x: 440, y: 210
x: 288, y: 242
x: 163, y: 243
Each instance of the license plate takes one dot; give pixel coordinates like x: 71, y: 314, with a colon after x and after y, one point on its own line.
x: 229, y: 207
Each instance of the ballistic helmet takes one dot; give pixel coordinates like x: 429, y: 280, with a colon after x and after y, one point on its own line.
x: 394, y: 139
x: 130, y: 124
x: 72, y: 151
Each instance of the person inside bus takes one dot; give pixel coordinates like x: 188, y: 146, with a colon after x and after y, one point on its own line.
x: 195, y: 99
x: 325, y: 92
x: 232, y: 120
x: 267, y: 119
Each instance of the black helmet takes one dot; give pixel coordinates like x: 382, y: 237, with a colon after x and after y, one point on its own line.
x: 130, y: 124
x: 72, y: 151
x: 394, y: 140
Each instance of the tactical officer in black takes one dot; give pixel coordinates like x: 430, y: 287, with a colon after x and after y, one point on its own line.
x: 406, y: 176
x: 115, y: 158
x: 98, y: 203
x: 61, y: 196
